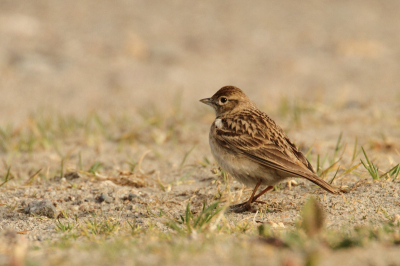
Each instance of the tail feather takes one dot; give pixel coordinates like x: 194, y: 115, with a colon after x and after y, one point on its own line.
x: 323, y: 184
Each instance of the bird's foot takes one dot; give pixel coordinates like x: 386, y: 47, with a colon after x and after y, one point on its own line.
x: 242, y: 207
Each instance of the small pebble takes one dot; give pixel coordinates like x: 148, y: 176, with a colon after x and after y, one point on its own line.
x: 77, y: 202
x: 44, y: 208
x: 105, y: 197
x: 131, y: 196
x: 71, y: 175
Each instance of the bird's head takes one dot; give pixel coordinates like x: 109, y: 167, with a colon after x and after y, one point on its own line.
x: 228, y: 99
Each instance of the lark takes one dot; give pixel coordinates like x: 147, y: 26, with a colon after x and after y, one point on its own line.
x: 252, y: 148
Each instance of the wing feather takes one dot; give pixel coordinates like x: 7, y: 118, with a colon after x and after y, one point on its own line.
x: 268, y: 147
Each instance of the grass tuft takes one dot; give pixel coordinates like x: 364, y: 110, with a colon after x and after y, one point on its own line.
x: 191, y: 223
x: 393, y: 173
x: 63, y: 227
x: 95, y: 167
x: 371, y: 168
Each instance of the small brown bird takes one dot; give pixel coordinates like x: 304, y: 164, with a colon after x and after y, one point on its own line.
x: 251, y: 147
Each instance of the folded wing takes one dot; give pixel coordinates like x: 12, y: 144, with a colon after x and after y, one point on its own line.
x: 271, y: 151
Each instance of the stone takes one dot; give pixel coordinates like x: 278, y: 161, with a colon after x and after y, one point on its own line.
x: 42, y: 208
x: 105, y: 197
x: 131, y: 196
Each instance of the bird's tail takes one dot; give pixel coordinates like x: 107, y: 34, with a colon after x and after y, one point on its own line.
x: 323, y: 184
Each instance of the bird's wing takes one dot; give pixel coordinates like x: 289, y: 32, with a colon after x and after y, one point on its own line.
x: 270, y: 148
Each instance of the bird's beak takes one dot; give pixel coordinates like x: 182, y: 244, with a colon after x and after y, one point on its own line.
x: 206, y: 101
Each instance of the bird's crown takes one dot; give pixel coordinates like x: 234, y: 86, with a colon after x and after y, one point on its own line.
x: 228, y: 91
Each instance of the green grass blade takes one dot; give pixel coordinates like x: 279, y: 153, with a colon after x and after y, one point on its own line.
x: 187, y: 155
x: 355, y: 153
x: 7, y: 177
x: 371, y: 168
x: 338, y: 145
x: 337, y: 170
x: 188, y: 216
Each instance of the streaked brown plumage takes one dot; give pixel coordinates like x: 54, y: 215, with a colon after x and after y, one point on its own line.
x: 251, y: 147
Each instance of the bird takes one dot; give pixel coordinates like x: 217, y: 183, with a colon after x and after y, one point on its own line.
x: 251, y: 147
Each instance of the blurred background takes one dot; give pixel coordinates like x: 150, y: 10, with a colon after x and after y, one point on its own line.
x: 108, y: 56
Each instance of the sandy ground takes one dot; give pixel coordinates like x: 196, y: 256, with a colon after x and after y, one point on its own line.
x: 319, y: 68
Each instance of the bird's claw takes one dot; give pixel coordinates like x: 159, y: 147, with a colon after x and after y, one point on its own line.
x: 242, y: 207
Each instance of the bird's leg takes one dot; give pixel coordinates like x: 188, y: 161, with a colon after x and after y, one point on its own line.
x: 246, y: 206
x: 251, y: 199
x: 262, y: 193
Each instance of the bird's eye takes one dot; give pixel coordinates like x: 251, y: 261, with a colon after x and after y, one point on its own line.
x: 223, y: 100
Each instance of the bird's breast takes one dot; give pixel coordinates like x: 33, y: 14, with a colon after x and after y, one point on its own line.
x: 240, y: 167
